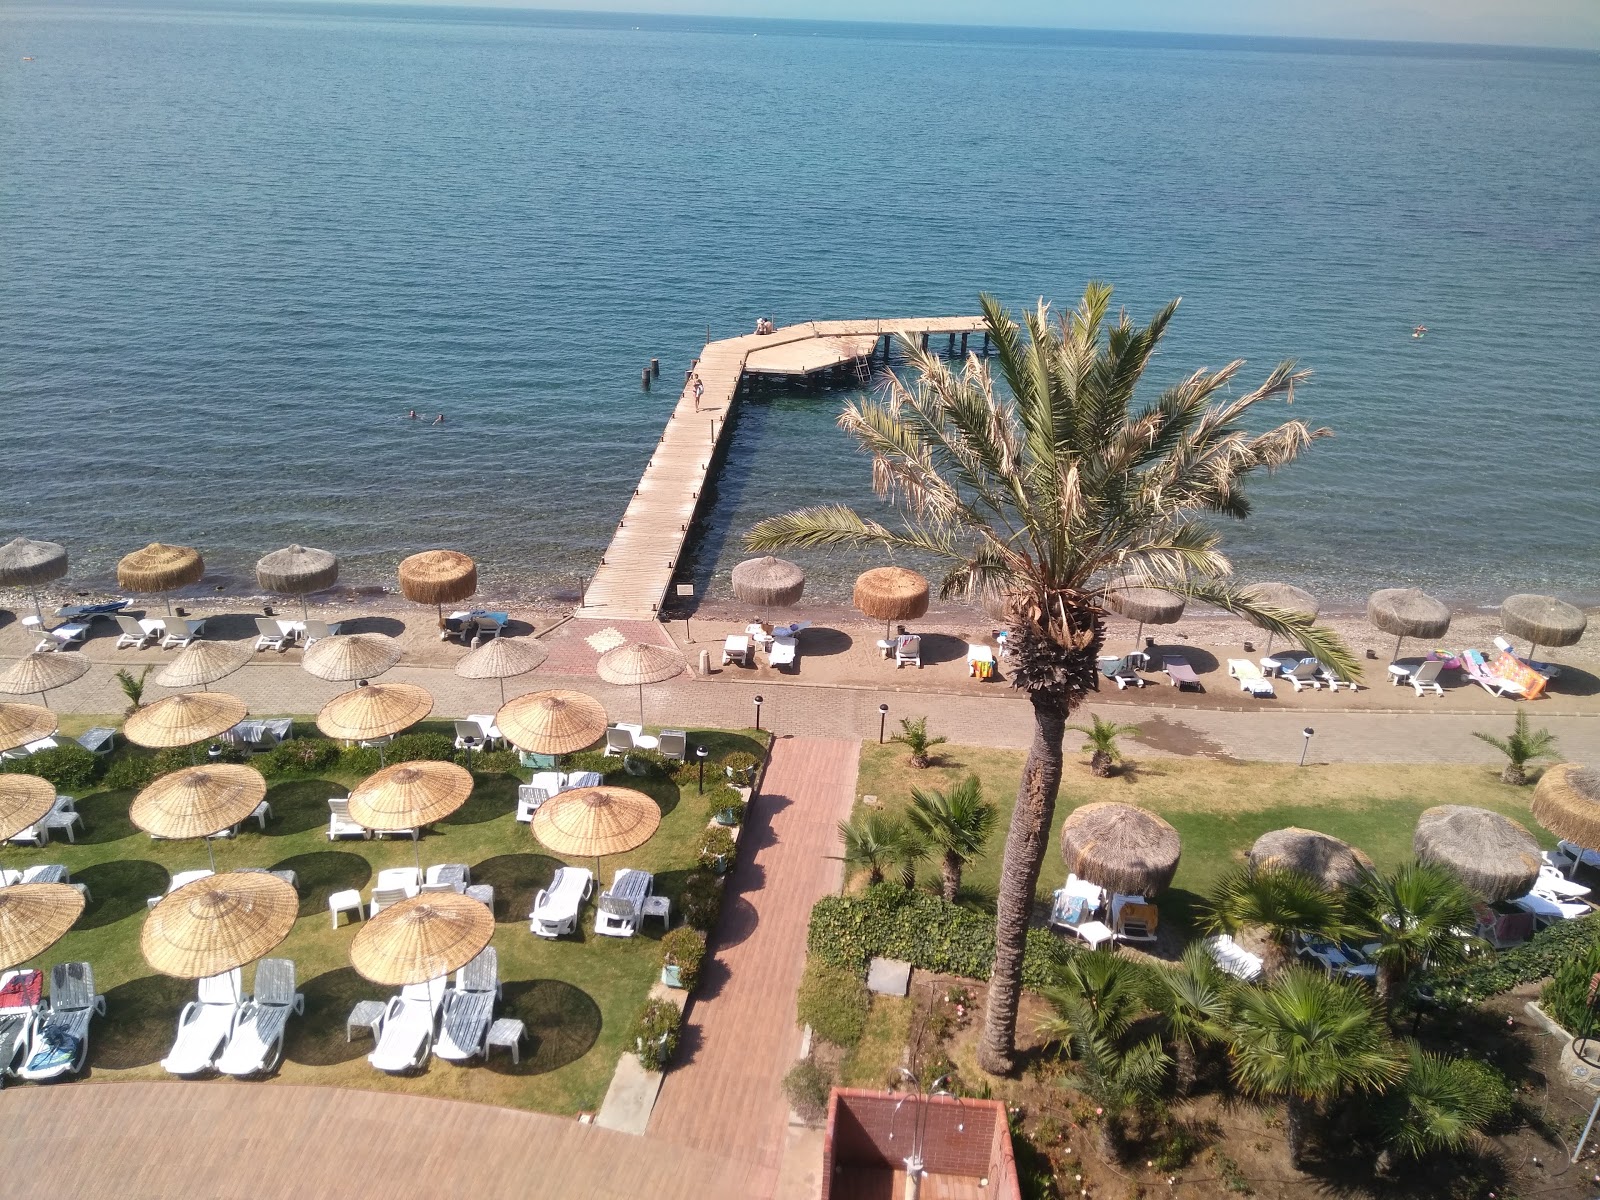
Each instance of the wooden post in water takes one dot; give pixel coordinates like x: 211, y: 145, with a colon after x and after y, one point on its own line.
x: 950, y: 350
x: 963, y: 345
x: 924, y: 341
x: 655, y: 363
x: 644, y: 379
x: 986, y: 343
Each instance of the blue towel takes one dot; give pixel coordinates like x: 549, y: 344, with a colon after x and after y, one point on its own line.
x: 60, y: 1048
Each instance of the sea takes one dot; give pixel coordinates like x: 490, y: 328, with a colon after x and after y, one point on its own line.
x: 239, y: 243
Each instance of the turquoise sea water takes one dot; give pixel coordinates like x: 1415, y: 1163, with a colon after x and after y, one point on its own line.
x: 237, y: 244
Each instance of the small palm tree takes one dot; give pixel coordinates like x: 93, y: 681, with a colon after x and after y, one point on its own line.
x: 1305, y: 1038
x: 1282, y: 903
x: 1521, y: 748
x: 955, y: 824
x: 874, y: 842
x: 1440, y: 1106
x: 1413, y: 914
x: 1101, y: 740
x: 1194, y: 1001
x: 914, y: 737
x: 133, y: 687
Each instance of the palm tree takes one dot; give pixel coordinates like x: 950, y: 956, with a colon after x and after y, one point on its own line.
x: 1044, y: 499
x: 1101, y: 740
x: 1441, y: 1105
x: 1194, y: 1001
x: 874, y: 842
x: 133, y: 687
x: 1521, y: 748
x: 1281, y: 902
x: 1413, y: 914
x: 1306, y: 1038
x: 914, y: 737
x: 956, y: 824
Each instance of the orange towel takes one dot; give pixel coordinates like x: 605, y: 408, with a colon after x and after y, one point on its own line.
x: 1514, y: 671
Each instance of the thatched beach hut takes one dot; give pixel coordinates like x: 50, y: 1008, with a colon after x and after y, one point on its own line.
x: 1543, y: 620
x: 1495, y: 858
x: 1567, y: 803
x: 1336, y: 863
x: 1120, y: 847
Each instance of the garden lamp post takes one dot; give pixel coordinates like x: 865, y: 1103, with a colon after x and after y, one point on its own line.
x: 1305, y: 745
x: 883, y: 717
x: 759, y: 702
x: 700, y: 753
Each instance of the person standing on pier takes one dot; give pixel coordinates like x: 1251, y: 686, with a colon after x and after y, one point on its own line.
x: 699, y: 390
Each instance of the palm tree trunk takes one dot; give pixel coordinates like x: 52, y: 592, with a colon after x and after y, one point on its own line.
x: 1514, y: 774
x: 1185, y: 1067
x: 1026, y: 842
x: 1295, y: 1122
x: 952, y: 875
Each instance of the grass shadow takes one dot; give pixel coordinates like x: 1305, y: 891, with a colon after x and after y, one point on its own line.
x: 141, y: 1022
x: 324, y: 872
x: 120, y: 889
x: 492, y: 796
x: 563, y: 1023
x: 105, y: 818
x: 300, y: 805
x: 318, y: 1039
x: 516, y: 879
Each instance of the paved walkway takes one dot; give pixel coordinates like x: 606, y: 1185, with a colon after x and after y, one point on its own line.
x: 727, y: 1095
x: 151, y: 1141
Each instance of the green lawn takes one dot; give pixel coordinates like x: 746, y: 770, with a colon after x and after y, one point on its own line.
x: 1218, y: 808
x: 577, y: 995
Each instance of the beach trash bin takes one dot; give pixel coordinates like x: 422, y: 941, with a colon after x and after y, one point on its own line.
x: 705, y: 662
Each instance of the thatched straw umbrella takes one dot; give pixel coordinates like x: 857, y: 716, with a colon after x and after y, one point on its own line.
x: 421, y: 938
x: 1335, y: 863
x: 639, y: 663
x: 198, y: 802
x: 554, y: 722
x: 183, y: 720
x: 347, y: 656
x: 36, y: 674
x: 1120, y: 847
x: 25, y: 563
x: 160, y: 568
x: 25, y: 800
x: 1146, y: 605
x: 34, y: 917
x: 438, y: 577
x: 409, y: 796
x: 596, y: 821
x: 501, y: 658
x: 218, y: 923
x: 1407, y: 612
x: 1285, y: 597
x: 24, y: 723
x: 202, y: 663
x: 768, y: 582
x: 297, y: 571
x: 891, y: 594
x: 1543, y: 620
x: 370, y: 711
x: 1567, y: 803
x: 1493, y: 856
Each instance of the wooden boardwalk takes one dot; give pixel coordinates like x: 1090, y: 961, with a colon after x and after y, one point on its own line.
x: 633, y: 577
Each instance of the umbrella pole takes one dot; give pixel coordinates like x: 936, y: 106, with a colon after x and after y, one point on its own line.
x: 1397, y: 640
x: 37, y: 611
x: 305, y: 613
x: 502, y: 691
x: 210, y: 854
x: 168, y: 596
x: 641, y: 703
x: 416, y: 851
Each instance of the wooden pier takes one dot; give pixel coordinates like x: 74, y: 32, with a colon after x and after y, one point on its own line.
x: 637, y: 571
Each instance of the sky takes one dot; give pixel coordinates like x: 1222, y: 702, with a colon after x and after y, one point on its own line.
x: 1568, y: 24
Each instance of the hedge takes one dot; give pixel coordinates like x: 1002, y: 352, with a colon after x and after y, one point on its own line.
x: 69, y: 766
x: 1566, y: 997
x: 832, y: 1000
x: 931, y: 934
x: 1537, y: 958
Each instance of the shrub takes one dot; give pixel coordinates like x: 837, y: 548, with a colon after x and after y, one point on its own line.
x: 176, y: 758
x: 299, y: 756
x: 655, y: 1033
x: 1566, y: 996
x: 701, y: 900
x: 726, y: 800
x: 685, y: 948
x: 740, y: 765
x: 131, y: 771
x: 420, y: 747
x: 928, y: 932
x: 716, y: 850
x: 832, y: 1000
x: 69, y: 766
x: 1537, y: 958
x: 359, y: 760
x: 807, y: 1086
x: 495, y: 762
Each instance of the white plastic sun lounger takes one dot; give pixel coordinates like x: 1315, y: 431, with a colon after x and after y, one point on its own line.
x: 1181, y: 674
x: 555, y: 908
x: 59, y: 1041
x: 1552, y: 882
x: 1233, y: 958
x: 1306, y: 673
x: 255, y: 1043
x: 204, y: 1024
x: 1547, y: 911
x: 1250, y: 677
x: 139, y: 633
x: 1120, y: 671
x: 782, y: 652
x: 1425, y: 678
x: 16, y: 1017
x: 405, y: 1032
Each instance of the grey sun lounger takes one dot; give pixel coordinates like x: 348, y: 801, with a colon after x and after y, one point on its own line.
x: 1119, y: 670
x: 60, y: 1042
x: 255, y: 1043
x: 1182, y: 674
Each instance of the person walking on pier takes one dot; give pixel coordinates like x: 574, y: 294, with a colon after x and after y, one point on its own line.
x: 699, y: 390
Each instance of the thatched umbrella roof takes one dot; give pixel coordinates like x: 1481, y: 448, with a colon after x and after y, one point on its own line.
x: 25, y: 563
x: 184, y: 719
x: 1146, y: 605
x: 409, y: 795
x: 1335, y: 863
x: 25, y: 800
x: 421, y: 938
x: 201, y: 663
x: 891, y: 594
x: 438, y: 577
x: 1495, y: 858
x: 1543, y: 620
x: 36, y: 674
x: 1120, y: 847
x: 554, y: 722
x: 24, y: 723
x: 160, y: 568
x: 297, y: 571
x: 218, y: 923
x: 501, y: 658
x: 1567, y: 803
x: 197, y: 802
x: 635, y: 664
x: 34, y: 917
x: 374, y: 710
x: 1285, y: 596
x: 768, y: 582
x: 1407, y: 612
x: 347, y: 656
x: 595, y: 821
